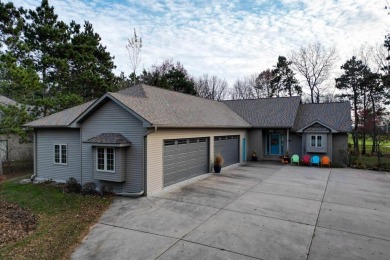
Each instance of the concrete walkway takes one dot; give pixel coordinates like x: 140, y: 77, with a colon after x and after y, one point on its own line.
x: 258, y: 211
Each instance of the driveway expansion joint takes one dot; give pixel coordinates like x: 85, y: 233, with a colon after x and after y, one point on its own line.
x: 318, y: 216
x: 219, y: 210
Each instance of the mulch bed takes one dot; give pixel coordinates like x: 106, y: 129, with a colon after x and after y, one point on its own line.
x: 15, y: 223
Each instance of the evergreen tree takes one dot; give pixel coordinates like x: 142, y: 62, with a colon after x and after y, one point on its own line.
x: 169, y: 76
x: 352, y: 82
x: 91, y: 66
x: 283, y: 79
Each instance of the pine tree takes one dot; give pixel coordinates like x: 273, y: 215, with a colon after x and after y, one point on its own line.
x: 283, y: 79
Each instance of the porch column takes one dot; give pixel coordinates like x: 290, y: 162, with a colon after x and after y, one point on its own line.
x: 287, y: 140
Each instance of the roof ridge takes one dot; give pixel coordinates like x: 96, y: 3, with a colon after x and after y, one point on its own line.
x: 180, y: 93
x: 325, y: 103
x: 247, y: 99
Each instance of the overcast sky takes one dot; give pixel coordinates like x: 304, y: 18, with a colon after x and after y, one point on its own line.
x: 230, y: 39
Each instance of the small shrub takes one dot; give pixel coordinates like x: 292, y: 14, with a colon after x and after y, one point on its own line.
x: 89, y: 188
x: 72, y: 186
x: 106, y: 190
x: 218, y: 160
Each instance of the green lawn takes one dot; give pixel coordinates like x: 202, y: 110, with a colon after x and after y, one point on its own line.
x: 63, y: 219
x: 368, y: 141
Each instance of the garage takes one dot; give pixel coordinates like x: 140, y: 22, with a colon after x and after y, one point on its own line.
x: 228, y: 147
x: 185, y: 159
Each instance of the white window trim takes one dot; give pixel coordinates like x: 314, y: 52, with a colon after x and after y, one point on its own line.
x: 60, y: 155
x: 316, y: 141
x: 105, y: 159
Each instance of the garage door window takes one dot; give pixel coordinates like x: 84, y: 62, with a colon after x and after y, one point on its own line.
x: 105, y: 159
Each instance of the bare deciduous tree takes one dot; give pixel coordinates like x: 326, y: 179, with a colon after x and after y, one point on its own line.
x: 244, y: 88
x: 315, y: 63
x: 211, y: 87
x: 133, y: 46
x: 263, y: 84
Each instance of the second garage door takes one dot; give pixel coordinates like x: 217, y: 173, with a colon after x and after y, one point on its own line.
x: 184, y: 159
x: 228, y: 147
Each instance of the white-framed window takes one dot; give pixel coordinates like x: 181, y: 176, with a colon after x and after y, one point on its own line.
x: 61, y: 154
x: 105, y: 159
x: 316, y: 141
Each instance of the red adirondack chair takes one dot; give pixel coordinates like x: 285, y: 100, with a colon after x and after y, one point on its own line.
x: 306, y: 160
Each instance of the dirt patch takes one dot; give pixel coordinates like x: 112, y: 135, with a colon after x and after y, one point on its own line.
x: 15, y: 223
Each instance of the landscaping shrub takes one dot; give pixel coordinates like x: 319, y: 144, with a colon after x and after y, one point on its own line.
x: 106, y: 190
x: 72, y: 186
x: 89, y: 188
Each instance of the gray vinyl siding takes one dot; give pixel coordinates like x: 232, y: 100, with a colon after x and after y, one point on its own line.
x: 111, y: 118
x: 45, y: 141
x: 255, y: 143
x: 340, y: 145
x: 295, y: 145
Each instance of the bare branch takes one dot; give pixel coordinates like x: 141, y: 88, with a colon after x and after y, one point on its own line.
x: 133, y: 46
x: 315, y: 63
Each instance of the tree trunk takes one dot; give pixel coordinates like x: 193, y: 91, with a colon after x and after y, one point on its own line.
x: 364, y: 143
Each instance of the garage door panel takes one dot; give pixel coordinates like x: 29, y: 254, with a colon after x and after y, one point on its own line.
x: 228, y: 147
x: 184, y: 159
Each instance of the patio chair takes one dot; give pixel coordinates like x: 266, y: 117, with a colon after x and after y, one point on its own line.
x: 305, y: 160
x: 315, y: 160
x: 295, y: 159
x: 325, y: 161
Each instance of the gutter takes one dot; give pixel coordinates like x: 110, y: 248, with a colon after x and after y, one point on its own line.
x: 138, y: 194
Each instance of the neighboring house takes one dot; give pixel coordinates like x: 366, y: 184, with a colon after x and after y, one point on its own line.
x: 144, y: 138
x: 11, y: 149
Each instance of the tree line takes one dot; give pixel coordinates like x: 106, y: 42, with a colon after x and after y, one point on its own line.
x: 48, y: 65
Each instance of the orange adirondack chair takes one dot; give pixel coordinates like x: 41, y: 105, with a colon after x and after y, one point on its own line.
x: 305, y: 160
x: 325, y: 161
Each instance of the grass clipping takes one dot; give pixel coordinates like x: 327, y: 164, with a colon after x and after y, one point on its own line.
x: 15, y: 223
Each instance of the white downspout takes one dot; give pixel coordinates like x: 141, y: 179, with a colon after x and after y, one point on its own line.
x: 35, y: 157
x: 130, y: 194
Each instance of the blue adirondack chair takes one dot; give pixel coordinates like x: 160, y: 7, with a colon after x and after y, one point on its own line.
x: 315, y: 160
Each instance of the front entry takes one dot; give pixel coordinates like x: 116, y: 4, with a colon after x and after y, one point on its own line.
x: 275, y: 144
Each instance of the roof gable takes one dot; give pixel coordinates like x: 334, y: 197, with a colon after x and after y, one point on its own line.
x: 335, y: 116
x: 99, y: 102
x: 316, y: 126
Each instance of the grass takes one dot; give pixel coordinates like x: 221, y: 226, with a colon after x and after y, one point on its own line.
x: 63, y: 219
x: 372, y: 160
x: 368, y: 141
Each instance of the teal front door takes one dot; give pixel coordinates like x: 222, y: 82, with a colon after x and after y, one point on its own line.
x: 275, y: 144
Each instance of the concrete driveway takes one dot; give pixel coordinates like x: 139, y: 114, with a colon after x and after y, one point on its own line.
x: 258, y: 211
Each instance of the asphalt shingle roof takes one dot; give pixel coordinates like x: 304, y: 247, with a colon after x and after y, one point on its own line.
x: 167, y: 108
x: 334, y: 115
x: 60, y: 119
x: 267, y: 112
x: 109, y: 138
x: 7, y: 101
